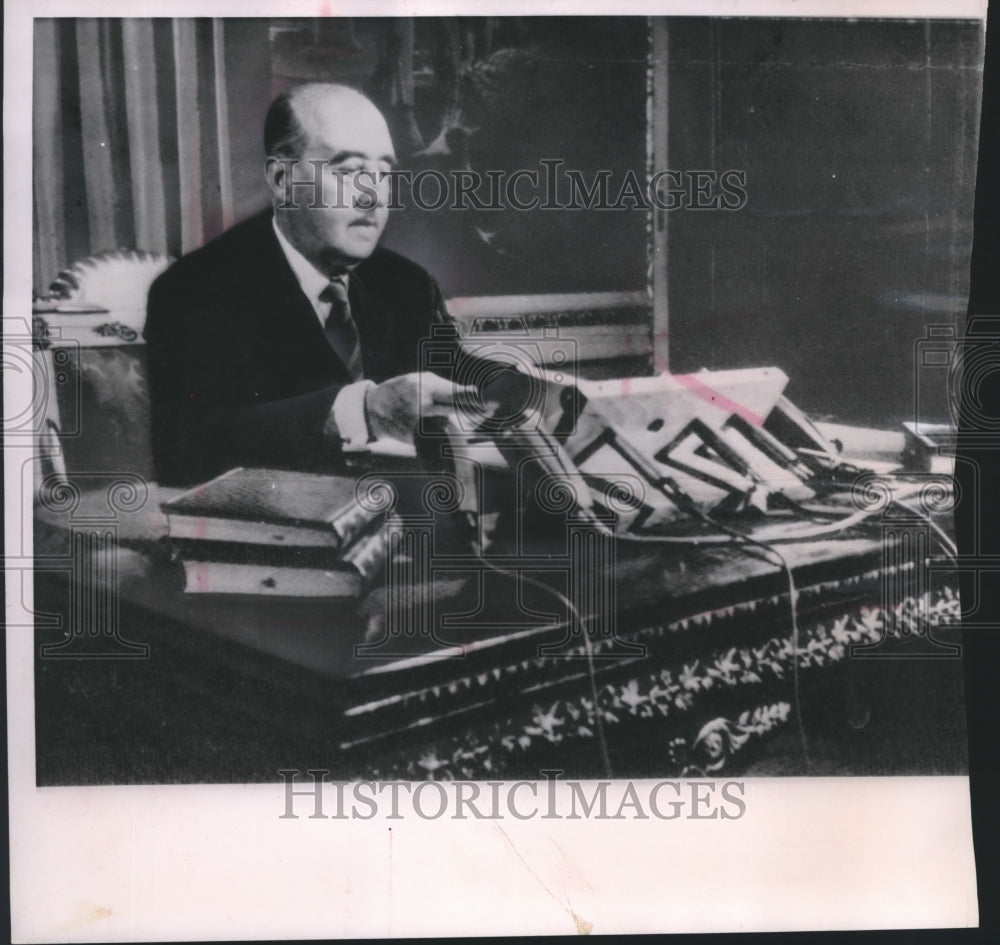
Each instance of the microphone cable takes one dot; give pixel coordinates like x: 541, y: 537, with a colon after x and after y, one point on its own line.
x: 532, y: 451
x: 576, y: 617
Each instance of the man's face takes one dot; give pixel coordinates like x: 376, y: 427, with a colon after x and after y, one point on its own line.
x: 347, y: 146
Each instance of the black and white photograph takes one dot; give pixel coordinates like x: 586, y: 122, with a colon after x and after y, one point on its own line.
x: 505, y: 419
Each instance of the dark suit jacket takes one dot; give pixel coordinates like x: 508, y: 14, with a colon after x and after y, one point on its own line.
x: 240, y: 370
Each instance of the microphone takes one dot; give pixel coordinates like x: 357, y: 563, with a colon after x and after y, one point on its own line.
x: 543, y: 464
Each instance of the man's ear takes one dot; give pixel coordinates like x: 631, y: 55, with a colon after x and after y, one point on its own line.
x: 276, y: 171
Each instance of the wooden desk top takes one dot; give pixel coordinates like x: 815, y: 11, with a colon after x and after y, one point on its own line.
x: 654, y: 586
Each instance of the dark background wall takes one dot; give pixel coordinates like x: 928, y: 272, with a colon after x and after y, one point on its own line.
x: 859, y: 145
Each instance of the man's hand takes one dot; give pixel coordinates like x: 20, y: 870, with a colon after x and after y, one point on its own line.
x: 394, y: 407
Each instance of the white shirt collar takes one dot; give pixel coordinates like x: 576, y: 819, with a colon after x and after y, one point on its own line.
x: 312, y: 281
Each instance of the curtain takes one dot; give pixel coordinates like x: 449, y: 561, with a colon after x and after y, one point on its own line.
x: 131, y: 138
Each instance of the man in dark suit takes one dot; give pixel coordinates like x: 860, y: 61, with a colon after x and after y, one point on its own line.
x: 293, y: 338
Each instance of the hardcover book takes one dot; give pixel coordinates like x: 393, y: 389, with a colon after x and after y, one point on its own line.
x: 216, y: 567
x: 274, y: 507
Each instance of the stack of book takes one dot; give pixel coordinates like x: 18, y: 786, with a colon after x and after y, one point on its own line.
x: 277, y: 532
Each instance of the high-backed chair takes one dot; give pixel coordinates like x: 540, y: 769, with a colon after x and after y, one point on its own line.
x: 89, y: 332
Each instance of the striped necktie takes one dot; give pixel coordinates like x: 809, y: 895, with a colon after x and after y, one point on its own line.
x: 340, y: 329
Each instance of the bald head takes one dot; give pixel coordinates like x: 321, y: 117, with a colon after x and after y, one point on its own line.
x: 296, y: 114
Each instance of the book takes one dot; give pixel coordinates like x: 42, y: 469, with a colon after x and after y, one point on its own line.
x: 227, y: 577
x: 228, y: 568
x: 271, y: 507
